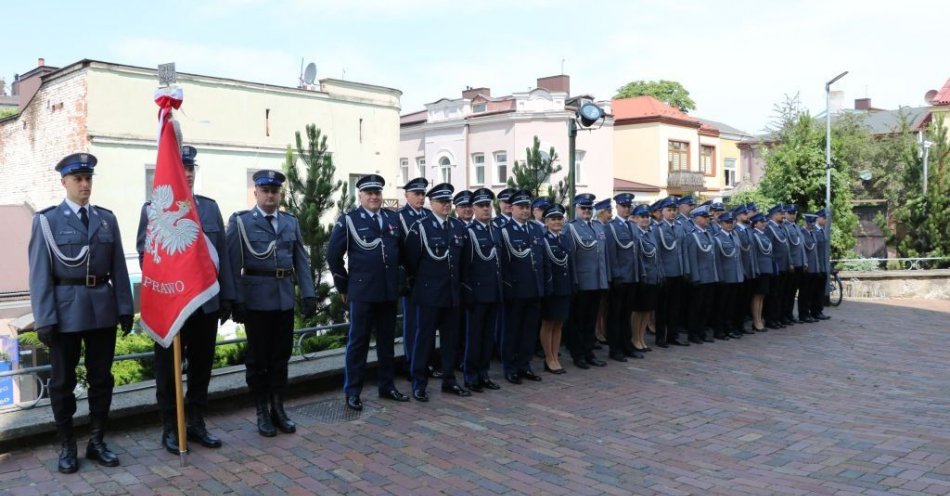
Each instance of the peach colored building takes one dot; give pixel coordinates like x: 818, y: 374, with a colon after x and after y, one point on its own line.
x: 475, y: 140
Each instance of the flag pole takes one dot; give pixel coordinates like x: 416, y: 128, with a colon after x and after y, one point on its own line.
x: 180, y: 401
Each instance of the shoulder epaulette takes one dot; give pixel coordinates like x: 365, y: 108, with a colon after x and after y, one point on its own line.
x: 103, y: 208
x: 240, y: 212
x: 203, y: 197
x: 47, y: 209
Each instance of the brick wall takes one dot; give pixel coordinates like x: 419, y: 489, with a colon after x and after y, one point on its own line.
x: 52, y: 126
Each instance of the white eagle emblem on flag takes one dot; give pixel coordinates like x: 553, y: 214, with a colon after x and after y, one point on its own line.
x: 167, y: 229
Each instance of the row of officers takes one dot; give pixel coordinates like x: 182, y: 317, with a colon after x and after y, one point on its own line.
x: 506, y: 286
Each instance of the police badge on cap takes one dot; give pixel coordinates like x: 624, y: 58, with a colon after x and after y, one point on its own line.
x: 77, y: 163
x: 371, y: 183
x: 269, y: 177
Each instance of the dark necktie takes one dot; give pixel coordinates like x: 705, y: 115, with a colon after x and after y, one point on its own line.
x: 84, y: 217
x: 270, y: 220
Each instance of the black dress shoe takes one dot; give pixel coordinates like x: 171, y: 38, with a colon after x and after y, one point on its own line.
x: 581, y: 363
x: 680, y: 342
x: 529, y: 375
x: 809, y: 320
x: 822, y: 316
x: 489, y: 384
x: 97, y: 451
x: 633, y: 353
x: 617, y: 356
x: 553, y: 371
x: 642, y: 350
x: 596, y: 362
x: 420, y: 395
x: 68, y: 461
x: 748, y: 331
x: 662, y: 345
x: 456, y: 390
x: 435, y: 372
x: 735, y: 335
x: 474, y: 387
x: 170, y: 439
x: 197, y: 430
x: 707, y: 339
x: 354, y: 403
x: 695, y: 340
x: 772, y: 325
x: 393, y: 395
x: 513, y: 378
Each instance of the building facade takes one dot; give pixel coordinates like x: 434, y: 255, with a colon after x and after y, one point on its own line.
x: 476, y: 140
x: 238, y: 127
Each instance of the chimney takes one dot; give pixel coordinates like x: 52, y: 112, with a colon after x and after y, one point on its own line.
x: 560, y: 83
x: 862, y: 104
x: 469, y: 92
x: 40, y: 62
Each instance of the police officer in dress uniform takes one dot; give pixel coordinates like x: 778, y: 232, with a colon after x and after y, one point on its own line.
x: 807, y: 291
x: 481, y: 292
x: 650, y: 276
x: 703, y: 274
x: 504, y: 206
x: 824, y: 245
x: 409, y: 214
x: 433, y: 252
x: 525, y: 283
x: 369, y: 283
x: 731, y: 278
x: 623, y: 262
x: 763, y: 268
x: 796, y: 254
x: 199, y: 332
x: 743, y: 233
x: 268, y: 258
x: 79, y: 291
x: 463, y: 212
x: 781, y: 260
x: 684, y: 206
x: 670, y: 234
x: 538, y: 207
x: 587, y: 248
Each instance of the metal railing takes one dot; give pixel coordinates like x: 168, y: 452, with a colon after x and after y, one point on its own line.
x: 891, y: 264
x: 43, y: 385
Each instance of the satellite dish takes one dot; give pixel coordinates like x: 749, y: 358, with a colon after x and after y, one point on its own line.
x: 310, y: 73
x: 865, y: 175
x: 930, y: 96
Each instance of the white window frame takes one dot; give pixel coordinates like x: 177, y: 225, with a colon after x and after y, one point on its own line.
x: 420, y: 166
x: 498, y: 164
x: 404, y: 169
x: 478, y: 167
x: 579, y: 156
x: 729, y: 168
x: 445, y: 169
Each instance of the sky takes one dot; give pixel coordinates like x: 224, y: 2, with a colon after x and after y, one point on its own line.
x: 736, y: 58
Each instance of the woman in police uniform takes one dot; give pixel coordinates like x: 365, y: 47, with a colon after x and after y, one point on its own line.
x: 556, y: 305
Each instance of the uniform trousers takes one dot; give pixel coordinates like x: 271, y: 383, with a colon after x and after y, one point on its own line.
x: 811, y: 284
x: 743, y: 306
x: 818, y: 302
x: 669, y: 310
x: 522, y: 323
x: 428, y: 320
x: 270, y: 341
x: 619, y: 308
x: 479, y: 338
x: 792, y: 286
x: 198, y: 336
x: 701, y: 298
x: 580, y: 335
x: 773, y: 300
x: 367, y: 318
x: 64, y: 357
x: 727, y: 307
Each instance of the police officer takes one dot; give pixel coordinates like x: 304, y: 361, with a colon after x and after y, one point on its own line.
x: 763, y: 268
x: 796, y: 255
x: 703, y: 274
x: 808, y: 287
x: 410, y: 213
x: 525, y: 284
x: 268, y: 258
x: 731, y: 278
x: 505, y: 208
x: 743, y: 232
x: 774, y: 304
x: 556, y: 305
x: 199, y: 332
x: 650, y: 277
x: 622, y: 262
x: 538, y: 207
x: 670, y: 234
x: 463, y: 212
x: 481, y: 292
x: 369, y: 283
x: 822, y: 238
x: 716, y: 209
x: 684, y: 206
x: 79, y: 291
x: 587, y: 248
x: 433, y: 250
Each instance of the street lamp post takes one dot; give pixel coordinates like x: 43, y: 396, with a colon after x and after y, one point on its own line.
x: 828, y: 170
x: 586, y: 116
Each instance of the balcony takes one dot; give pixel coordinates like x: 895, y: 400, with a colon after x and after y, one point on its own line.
x: 682, y: 180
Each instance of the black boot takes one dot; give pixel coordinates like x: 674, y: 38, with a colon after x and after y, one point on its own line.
x: 197, y: 431
x: 264, y: 425
x: 96, y: 449
x: 279, y: 416
x: 68, y: 464
x: 170, y: 434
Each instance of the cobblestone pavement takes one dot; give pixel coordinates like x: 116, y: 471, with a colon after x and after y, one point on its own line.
x: 859, y: 404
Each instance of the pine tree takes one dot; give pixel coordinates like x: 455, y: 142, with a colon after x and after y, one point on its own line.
x: 310, y: 197
x: 534, y: 173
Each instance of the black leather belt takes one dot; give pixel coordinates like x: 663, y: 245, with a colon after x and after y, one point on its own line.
x: 278, y: 273
x: 89, y: 281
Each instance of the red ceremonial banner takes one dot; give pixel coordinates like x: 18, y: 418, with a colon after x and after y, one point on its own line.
x: 179, y: 266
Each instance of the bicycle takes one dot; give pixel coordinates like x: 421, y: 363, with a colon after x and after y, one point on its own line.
x: 835, y: 289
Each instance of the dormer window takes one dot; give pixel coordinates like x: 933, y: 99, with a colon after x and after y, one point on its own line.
x: 479, y: 107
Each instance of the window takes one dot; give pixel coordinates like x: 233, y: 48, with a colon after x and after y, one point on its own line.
x: 478, y: 160
x: 421, y: 166
x: 729, y: 167
x: 578, y: 160
x: 501, y: 167
x: 707, y: 160
x: 149, y: 181
x: 404, y: 169
x: 679, y: 156
x: 445, y: 167
x: 479, y: 107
